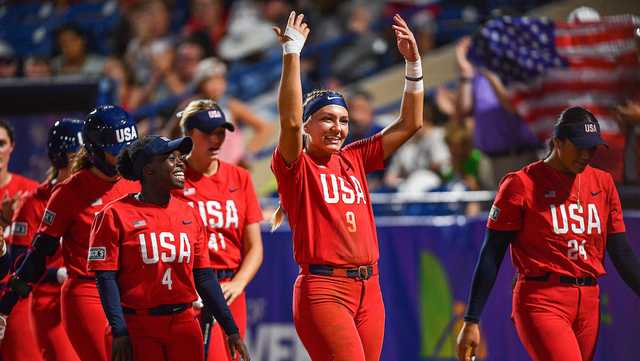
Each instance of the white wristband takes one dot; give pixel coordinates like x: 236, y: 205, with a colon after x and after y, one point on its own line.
x: 413, y: 77
x: 293, y: 46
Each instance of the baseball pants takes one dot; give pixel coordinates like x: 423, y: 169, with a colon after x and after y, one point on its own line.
x: 84, y: 320
x: 339, y: 318
x: 557, y: 322
x: 218, y: 347
x: 174, y: 337
x: 46, y: 320
x: 19, y: 341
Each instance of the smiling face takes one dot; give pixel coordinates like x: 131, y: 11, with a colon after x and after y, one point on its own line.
x: 572, y: 158
x: 327, y: 128
x: 166, y: 170
x: 207, y: 145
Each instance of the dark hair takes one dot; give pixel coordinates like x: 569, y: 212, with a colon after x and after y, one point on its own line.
x: 73, y: 28
x: 125, y: 164
x: 360, y: 93
x: 4, y: 124
x: 571, y: 115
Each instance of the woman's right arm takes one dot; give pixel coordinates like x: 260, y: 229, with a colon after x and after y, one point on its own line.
x: 290, y: 92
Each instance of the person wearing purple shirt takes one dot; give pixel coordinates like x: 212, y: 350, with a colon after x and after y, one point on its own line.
x: 498, y: 132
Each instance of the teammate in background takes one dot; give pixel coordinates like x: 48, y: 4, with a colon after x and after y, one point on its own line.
x: 227, y: 203
x: 69, y: 214
x: 19, y: 340
x: 147, y: 249
x: 12, y: 186
x: 559, y: 215
x: 337, y: 303
x: 43, y: 337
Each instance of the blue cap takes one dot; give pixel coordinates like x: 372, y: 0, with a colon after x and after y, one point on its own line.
x: 584, y: 135
x: 160, y: 146
x: 208, y: 120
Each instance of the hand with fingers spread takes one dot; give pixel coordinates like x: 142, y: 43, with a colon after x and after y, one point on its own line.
x: 294, y: 35
x: 468, y: 341
x: 405, y: 40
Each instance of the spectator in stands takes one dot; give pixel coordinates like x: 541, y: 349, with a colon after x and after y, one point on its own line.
x: 418, y: 165
x: 363, y: 54
x: 208, y: 21
x: 468, y: 165
x: 629, y: 121
x: 361, y: 120
x: 248, y: 35
x: 210, y: 83
x: 74, y: 58
x: 498, y: 131
x: 8, y: 61
x: 151, y: 42
x: 128, y: 95
x: 37, y: 67
x: 188, y: 55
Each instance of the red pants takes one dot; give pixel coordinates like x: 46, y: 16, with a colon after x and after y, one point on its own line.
x: 339, y: 319
x: 557, y: 322
x: 46, y: 320
x: 166, y: 338
x: 84, y: 320
x: 19, y: 340
x: 218, y: 347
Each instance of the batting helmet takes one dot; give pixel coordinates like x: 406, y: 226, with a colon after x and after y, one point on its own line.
x: 65, y: 136
x: 108, y: 129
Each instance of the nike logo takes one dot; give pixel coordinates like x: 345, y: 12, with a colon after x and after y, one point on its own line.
x: 186, y: 222
x: 331, y: 98
x: 231, y: 190
x: 595, y: 193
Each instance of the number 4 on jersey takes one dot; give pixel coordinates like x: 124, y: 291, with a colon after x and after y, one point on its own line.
x: 166, y: 278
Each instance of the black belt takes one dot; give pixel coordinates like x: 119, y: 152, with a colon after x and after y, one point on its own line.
x: 575, y: 281
x: 161, y: 310
x: 361, y: 272
x: 224, y: 273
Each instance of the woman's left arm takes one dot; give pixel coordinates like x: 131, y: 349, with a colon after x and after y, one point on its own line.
x: 251, y: 262
x: 410, y: 120
x: 625, y: 260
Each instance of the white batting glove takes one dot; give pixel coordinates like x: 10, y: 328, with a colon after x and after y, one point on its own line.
x: 3, y: 325
x: 61, y: 275
x: 198, y: 304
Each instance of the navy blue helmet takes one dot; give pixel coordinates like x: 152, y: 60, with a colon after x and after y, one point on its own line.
x: 107, y: 130
x: 65, y: 136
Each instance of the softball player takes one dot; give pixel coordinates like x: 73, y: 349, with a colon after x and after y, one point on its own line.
x: 559, y: 215
x: 13, y: 188
x: 69, y: 214
x: 51, y: 341
x: 224, y: 196
x: 337, y: 303
x: 148, y: 249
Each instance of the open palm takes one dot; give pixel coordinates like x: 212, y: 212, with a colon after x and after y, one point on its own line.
x: 405, y: 40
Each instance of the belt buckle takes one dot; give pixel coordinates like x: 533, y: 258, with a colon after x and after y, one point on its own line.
x: 363, y: 272
x: 580, y: 281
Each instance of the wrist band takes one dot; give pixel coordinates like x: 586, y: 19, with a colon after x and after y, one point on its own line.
x: 293, y: 46
x: 413, y: 77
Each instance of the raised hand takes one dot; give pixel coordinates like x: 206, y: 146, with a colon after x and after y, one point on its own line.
x: 406, y: 42
x: 462, y: 48
x: 294, y: 24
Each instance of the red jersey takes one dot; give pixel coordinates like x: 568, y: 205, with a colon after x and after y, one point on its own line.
x: 328, y: 204
x: 562, y: 220
x: 16, y: 184
x: 70, y: 211
x: 154, y: 248
x: 227, y: 203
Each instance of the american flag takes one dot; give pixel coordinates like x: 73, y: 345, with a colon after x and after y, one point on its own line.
x: 549, y: 66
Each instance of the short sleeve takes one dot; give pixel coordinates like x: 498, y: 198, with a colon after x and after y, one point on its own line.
x: 60, y: 211
x: 25, y: 222
x: 615, y: 223
x: 508, y: 206
x: 104, y: 242
x: 200, y: 250
x: 254, y: 212
x: 370, y: 151
x: 281, y: 169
